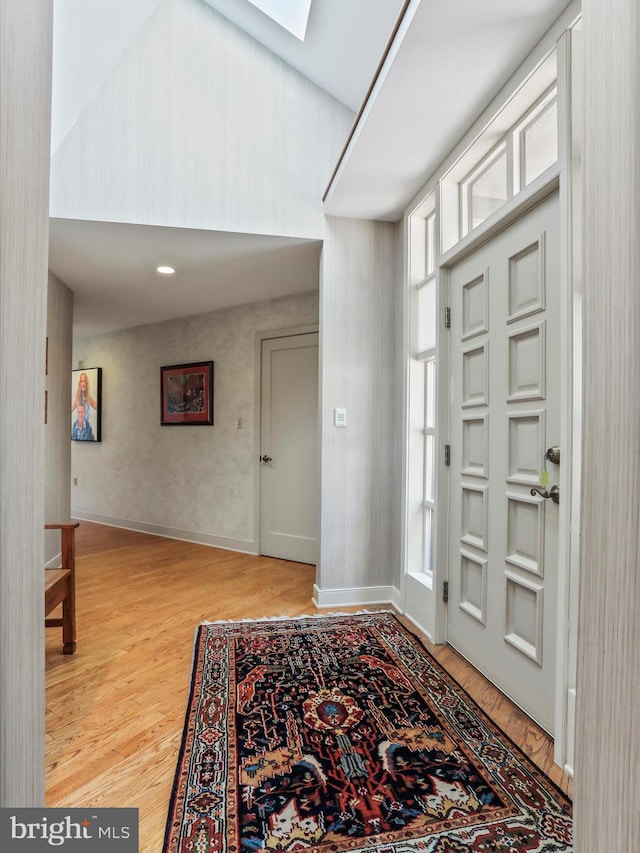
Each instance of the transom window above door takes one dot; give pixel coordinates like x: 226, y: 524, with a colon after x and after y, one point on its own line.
x: 518, y: 146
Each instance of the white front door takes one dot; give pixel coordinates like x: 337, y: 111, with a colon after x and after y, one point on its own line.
x: 289, y: 481
x: 505, y: 413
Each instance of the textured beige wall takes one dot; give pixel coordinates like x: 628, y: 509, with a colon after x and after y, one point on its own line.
x: 25, y: 98
x: 196, y: 482
x: 57, y: 435
x: 607, y: 759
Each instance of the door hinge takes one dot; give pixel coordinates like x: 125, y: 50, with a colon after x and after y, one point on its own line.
x: 447, y: 454
x: 445, y: 591
x: 447, y: 318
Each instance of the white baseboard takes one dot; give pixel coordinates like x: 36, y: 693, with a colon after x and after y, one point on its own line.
x: 356, y: 596
x: 241, y: 545
x: 54, y: 562
x: 420, y: 627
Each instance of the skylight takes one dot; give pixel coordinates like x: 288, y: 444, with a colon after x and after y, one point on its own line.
x: 293, y: 15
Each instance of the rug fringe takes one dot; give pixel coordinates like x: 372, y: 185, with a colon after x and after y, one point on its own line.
x: 293, y: 618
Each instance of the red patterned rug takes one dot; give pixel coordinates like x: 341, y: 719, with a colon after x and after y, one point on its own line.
x: 341, y: 733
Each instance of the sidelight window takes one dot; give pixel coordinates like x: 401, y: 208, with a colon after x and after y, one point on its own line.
x: 429, y: 477
x: 422, y: 390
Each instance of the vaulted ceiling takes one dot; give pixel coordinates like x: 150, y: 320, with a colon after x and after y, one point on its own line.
x: 447, y: 60
x: 344, y: 42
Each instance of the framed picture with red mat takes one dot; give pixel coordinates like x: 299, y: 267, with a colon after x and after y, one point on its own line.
x: 186, y: 394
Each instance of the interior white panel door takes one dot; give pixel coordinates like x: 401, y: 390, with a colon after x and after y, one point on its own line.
x: 289, y: 480
x: 505, y: 413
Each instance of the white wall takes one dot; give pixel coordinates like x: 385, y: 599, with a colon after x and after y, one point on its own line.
x: 201, y: 126
x: 608, y: 684
x: 57, y: 432
x: 25, y: 95
x: 360, y: 297
x: 191, y: 482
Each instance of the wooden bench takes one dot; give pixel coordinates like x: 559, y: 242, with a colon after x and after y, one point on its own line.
x: 60, y: 587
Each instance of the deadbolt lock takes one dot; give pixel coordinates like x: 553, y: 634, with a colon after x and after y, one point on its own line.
x: 553, y: 455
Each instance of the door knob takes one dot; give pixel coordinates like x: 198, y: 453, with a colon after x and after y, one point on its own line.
x: 553, y: 493
x: 265, y: 458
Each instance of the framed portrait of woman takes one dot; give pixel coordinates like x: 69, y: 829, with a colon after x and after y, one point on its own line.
x: 86, y: 404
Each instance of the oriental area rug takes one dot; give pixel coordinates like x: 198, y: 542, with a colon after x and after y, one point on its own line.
x: 341, y: 733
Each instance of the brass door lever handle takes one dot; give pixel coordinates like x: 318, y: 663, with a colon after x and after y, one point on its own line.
x: 553, y: 493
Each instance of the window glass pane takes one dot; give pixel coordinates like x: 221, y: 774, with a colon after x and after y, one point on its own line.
x: 488, y: 191
x: 539, y: 144
x: 426, y: 316
x: 431, y: 244
x: 427, y: 542
x: 430, y: 395
x: 428, y: 467
x: 417, y: 256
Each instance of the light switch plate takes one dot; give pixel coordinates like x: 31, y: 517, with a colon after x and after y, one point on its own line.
x: 340, y: 417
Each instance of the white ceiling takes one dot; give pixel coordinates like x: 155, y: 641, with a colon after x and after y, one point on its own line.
x: 111, y: 268
x: 344, y: 43
x: 448, y: 60
x: 88, y: 40
x: 446, y: 63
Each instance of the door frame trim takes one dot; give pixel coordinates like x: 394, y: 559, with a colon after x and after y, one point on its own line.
x: 546, y: 185
x: 269, y: 334
x: 566, y: 36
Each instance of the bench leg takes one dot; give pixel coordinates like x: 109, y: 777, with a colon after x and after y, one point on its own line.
x: 68, y: 625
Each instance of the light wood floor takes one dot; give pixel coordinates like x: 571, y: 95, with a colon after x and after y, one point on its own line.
x: 115, y: 709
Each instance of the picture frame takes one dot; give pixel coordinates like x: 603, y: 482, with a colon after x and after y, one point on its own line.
x: 186, y: 394
x: 86, y: 393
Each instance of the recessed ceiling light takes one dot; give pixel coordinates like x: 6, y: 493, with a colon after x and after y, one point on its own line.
x: 165, y: 270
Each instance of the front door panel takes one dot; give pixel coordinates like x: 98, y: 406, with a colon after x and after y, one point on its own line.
x: 505, y: 412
